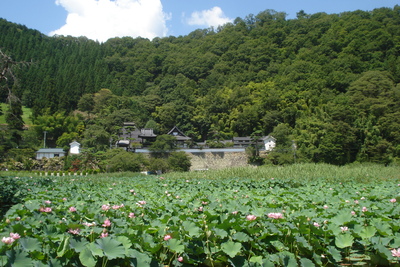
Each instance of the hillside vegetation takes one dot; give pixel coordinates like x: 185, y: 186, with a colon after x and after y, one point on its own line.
x: 327, y: 83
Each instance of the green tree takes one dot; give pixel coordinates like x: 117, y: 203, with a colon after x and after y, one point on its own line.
x: 163, y: 145
x: 8, y: 82
x: 95, y: 138
x: 86, y: 103
x: 179, y: 161
x: 14, y: 119
x: 126, y: 162
x: 57, y: 124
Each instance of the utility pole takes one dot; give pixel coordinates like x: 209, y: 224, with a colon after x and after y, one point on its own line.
x: 44, y: 140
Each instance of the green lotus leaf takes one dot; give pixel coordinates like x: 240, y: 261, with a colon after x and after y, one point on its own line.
x: 220, y: 233
x: 191, y: 228
x: 304, y: 262
x: 344, y: 240
x: 288, y: 259
x: 383, y: 251
x: 279, y: 245
x: 384, y: 229
x: 124, y: 241
x: 32, y: 205
x: 139, y: 259
x: 95, y: 249
x: 301, y: 240
x: 19, y: 258
x: 367, y: 232
x: 78, y: 245
x: 342, y: 217
x: 63, y: 247
x: 112, y: 248
x: 256, y: 259
x: 86, y: 257
x: 175, y: 245
x: 231, y: 248
x: 30, y: 244
x: 241, y: 237
x: 337, y: 257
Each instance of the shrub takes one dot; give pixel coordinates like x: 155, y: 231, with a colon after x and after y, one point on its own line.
x: 126, y: 161
x: 158, y: 164
x: 179, y: 161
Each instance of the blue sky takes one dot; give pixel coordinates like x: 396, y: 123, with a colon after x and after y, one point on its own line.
x: 103, y: 19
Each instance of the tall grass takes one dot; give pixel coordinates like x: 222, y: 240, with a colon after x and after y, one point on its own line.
x: 304, y: 172
x: 362, y: 173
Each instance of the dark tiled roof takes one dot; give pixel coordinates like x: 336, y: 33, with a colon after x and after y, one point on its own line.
x: 50, y: 150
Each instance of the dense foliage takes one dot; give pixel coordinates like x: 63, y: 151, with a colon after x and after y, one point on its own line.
x: 328, y: 82
x: 161, y: 221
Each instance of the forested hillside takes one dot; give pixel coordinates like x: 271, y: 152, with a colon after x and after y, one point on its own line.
x: 328, y: 82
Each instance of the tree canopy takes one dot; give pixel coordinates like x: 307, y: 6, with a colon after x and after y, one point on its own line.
x: 327, y: 82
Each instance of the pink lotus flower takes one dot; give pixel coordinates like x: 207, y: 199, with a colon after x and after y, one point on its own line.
x: 180, y: 259
x: 393, y: 200
x: 344, y: 228
x: 89, y: 224
x: 7, y: 240
x: 107, y: 223
x: 64, y: 199
x: 46, y: 209
x: 104, y: 234
x: 105, y: 207
x: 364, y: 209
x: 353, y: 212
x: 15, y: 236
x: 325, y: 206
x: 251, y: 217
x: 142, y: 202
x: 356, y: 201
x: 235, y: 212
x: 316, y: 224
x: 200, y: 209
x: 275, y: 215
x: 72, y: 209
x: 396, y: 252
x: 167, y: 237
x: 47, y: 202
x: 74, y: 231
x: 131, y: 215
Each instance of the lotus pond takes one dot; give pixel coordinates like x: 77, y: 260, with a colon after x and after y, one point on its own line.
x: 181, y: 221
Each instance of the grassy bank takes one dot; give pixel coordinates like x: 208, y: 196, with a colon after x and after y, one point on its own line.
x: 302, y: 172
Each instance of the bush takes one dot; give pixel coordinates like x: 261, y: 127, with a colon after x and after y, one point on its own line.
x: 163, y: 145
x: 179, y: 161
x: 125, y: 161
x: 158, y: 164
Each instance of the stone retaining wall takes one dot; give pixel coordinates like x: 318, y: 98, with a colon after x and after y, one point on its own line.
x: 217, y: 160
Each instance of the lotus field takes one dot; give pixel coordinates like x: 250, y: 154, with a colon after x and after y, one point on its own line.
x: 192, y: 221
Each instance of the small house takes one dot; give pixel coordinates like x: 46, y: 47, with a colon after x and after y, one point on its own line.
x: 74, y: 148
x: 269, y: 143
x: 50, y: 153
x: 181, y: 138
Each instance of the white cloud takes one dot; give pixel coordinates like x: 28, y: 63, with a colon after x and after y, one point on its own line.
x: 211, y: 17
x: 104, y: 19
